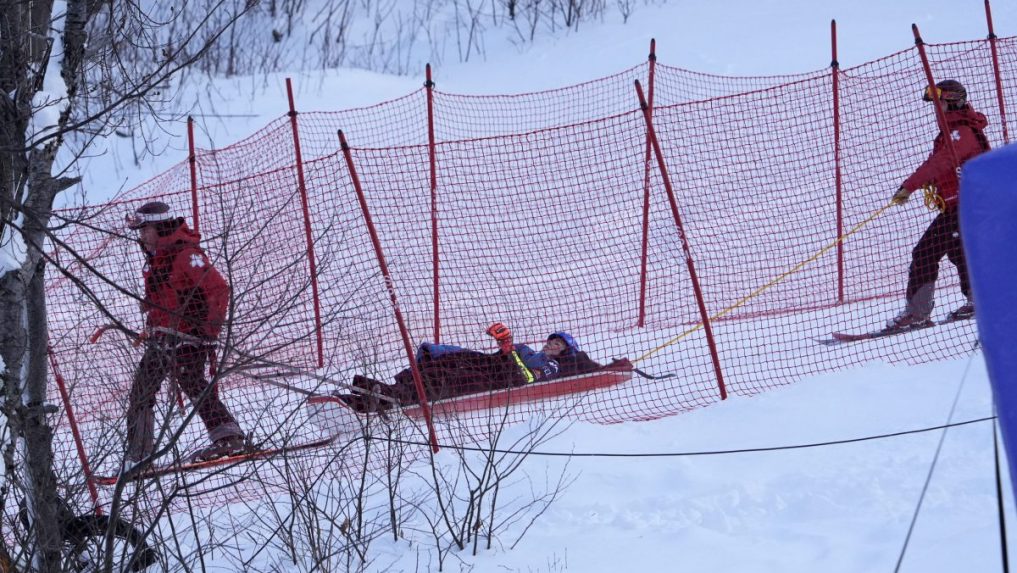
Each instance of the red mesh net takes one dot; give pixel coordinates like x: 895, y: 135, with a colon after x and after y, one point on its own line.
x: 539, y: 207
x: 677, y: 85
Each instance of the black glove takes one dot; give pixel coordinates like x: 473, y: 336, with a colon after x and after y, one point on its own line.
x: 900, y: 197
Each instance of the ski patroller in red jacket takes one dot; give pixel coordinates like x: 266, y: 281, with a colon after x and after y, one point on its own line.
x: 183, y: 291
x: 965, y: 131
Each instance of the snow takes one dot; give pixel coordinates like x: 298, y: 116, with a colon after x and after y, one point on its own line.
x: 836, y: 508
x: 844, y: 507
x: 44, y: 118
x: 49, y: 102
x: 12, y: 248
x: 47, y: 105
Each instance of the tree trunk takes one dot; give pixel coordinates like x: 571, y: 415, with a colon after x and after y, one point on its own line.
x: 24, y: 347
x: 24, y: 352
x: 27, y: 191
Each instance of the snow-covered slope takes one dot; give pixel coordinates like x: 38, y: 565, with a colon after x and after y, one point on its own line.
x: 835, y: 508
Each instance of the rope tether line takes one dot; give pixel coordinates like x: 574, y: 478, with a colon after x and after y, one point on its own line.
x: 683, y: 454
x: 773, y: 282
x: 932, y: 465
x: 1000, y: 506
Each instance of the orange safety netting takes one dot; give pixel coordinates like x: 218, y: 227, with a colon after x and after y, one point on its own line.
x: 539, y: 209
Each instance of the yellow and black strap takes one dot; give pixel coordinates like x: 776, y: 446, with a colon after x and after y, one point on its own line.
x: 527, y: 374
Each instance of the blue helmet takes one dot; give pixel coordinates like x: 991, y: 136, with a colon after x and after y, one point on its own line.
x: 570, y: 343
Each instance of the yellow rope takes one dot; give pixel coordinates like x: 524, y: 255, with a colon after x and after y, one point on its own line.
x: 933, y: 200
x: 759, y: 290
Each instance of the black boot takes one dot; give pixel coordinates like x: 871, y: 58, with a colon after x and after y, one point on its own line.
x: 369, y: 395
x: 357, y: 402
x: 365, y: 383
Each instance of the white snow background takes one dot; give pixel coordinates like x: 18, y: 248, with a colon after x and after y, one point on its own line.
x: 835, y: 508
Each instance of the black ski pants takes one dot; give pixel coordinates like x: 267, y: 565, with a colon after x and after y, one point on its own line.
x: 185, y: 363
x: 942, y: 238
x: 456, y: 374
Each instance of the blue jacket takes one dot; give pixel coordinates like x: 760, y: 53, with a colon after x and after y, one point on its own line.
x: 535, y: 360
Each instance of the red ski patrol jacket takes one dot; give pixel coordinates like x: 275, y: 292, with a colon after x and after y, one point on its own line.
x: 965, y: 131
x: 184, y: 294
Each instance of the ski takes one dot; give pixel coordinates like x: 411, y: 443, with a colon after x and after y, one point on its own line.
x: 951, y: 319
x: 184, y: 466
x: 847, y: 337
x: 648, y: 376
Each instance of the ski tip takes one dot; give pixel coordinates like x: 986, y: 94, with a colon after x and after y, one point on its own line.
x: 185, y: 467
x: 951, y: 320
x: 831, y: 341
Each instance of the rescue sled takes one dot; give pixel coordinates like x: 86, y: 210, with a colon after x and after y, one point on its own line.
x: 613, y: 374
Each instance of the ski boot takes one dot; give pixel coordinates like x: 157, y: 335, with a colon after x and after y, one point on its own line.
x: 964, y: 312
x: 222, y: 448
x: 906, y: 320
x: 369, y: 395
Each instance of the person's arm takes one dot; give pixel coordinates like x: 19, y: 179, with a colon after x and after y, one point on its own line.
x: 940, y: 163
x: 586, y: 364
x: 539, y: 365
x: 217, y: 293
x: 145, y: 304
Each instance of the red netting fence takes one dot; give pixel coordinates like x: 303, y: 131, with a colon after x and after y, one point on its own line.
x: 543, y: 207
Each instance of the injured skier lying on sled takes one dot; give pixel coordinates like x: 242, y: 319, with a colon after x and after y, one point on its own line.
x: 449, y: 371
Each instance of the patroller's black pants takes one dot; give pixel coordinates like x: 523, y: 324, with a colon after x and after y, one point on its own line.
x: 942, y: 238
x: 184, y: 363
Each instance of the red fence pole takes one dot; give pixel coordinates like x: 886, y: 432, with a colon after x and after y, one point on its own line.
x: 835, y: 73
x: 65, y: 397
x: 403, y: 331
x: 192, y: 160
x: 995, y: 71
x: 646, y: 193
x: 307, y: 225
x: 195, y: 222
x: 434, y: 202
x: 940, y: 115
x: 685, y: 242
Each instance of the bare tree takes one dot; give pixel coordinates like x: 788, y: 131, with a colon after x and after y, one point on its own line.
x: 66, y: 78
x: 96, y: 70
x: 464, y: 509
x: 269, y: 296
x: 387, y: 36
x: 625, y: 8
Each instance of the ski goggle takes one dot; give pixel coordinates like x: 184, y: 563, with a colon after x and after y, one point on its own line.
x: 136, y: 221
x: 932, y: 93
x: 939, y: 93
x: 133, y: 221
